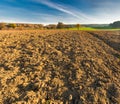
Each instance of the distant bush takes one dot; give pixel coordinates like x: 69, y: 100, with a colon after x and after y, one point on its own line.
x: 60, y: 25
x: 51, y: 26
x: 78, y: 26
x: 11, y: 25
x: 2, y: 25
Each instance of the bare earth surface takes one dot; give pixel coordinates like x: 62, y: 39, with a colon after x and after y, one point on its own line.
x: 59, y: 67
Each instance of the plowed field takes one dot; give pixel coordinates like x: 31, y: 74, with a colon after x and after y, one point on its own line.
x: 59, y: 67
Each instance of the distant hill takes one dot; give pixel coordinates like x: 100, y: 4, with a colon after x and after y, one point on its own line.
x: 96, y: 25
x: 115, y: 24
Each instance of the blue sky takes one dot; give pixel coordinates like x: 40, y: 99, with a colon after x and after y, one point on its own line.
x: 53, y: 11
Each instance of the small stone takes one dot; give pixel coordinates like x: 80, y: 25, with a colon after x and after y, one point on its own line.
x: 43, y: 101
x: 70, y: 97
x: 61, y: 102
x: 88, y: 65
x: 82, y: 98
x: 80, y: 87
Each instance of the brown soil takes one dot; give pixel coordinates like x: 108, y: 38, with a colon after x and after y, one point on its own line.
x: 59, y: 67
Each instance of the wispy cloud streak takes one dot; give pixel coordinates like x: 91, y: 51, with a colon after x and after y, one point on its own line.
x: 104, y: 11
x: 62, y: 9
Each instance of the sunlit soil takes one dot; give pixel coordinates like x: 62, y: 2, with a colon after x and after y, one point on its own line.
x: 59, y: 67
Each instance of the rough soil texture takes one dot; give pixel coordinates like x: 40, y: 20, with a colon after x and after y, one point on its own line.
x: 59, y: 67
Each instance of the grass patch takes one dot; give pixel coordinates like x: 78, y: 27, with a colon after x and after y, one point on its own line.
x: 109, y: 29
x: 106, y: 28
x: 83, y: 28
x: 94, y: 29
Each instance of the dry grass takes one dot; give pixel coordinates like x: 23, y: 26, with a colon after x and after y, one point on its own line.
x: 59, y: 67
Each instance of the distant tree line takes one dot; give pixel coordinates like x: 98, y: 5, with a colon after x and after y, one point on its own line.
x: 20, y: 26
x: 60, y: 25
x: 115, y: 24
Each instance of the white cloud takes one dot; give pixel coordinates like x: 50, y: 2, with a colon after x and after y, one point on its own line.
x: 103, y: 12
x: 66, y: 9
x: 57, y: 7
x: 107, y: 11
